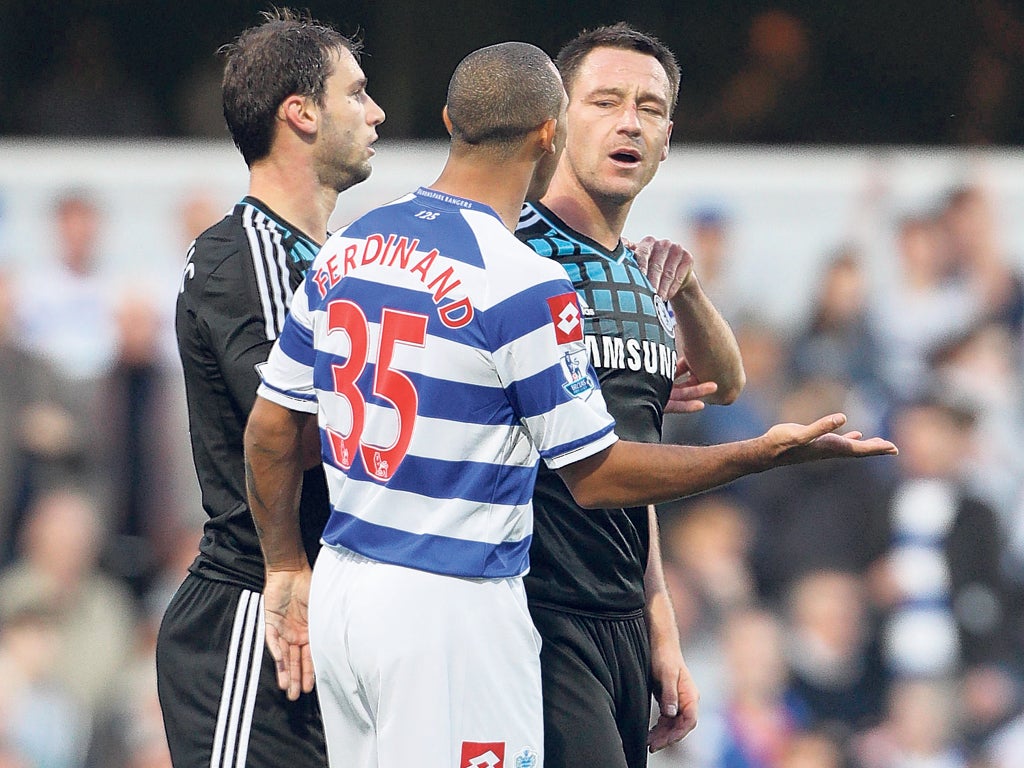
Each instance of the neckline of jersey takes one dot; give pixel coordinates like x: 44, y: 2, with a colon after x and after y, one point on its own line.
x: 456, y: 201
x: 555, y: 221
x: 268, y: 211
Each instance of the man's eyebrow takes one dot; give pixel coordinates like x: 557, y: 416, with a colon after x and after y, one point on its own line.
x: 618, y: 90
x: 607, y: 90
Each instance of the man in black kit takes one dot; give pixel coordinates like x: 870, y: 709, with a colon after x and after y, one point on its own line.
x: 296, y: 104
x: 596, y: 587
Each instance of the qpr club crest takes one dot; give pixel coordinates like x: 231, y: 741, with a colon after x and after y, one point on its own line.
x: 666, y: 316
x: 576, y: 369
x: 527, y: 758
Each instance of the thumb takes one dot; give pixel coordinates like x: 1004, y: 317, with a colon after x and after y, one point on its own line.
x: 827, y: 424
x: 642, y: 252
x: 668, y: 702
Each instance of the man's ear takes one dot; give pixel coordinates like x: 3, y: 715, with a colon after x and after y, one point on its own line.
x: 547, y: 135
x: 668, y: 139
x: 301, y: 113
x: 447, y: 120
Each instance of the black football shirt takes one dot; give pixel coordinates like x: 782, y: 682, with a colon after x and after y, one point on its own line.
x: 236, y: 289
x: 593, y: 560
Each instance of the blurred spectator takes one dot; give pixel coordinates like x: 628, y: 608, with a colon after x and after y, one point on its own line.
x: 129, y: 731
x: 142, y: 419
x: 710, y: 536
x: 834, y: 662
x: 940, y: 581
x: 39, y: 438
x: 839, y: 342
x: 708, y: 237
x: 706, y: 544
x: 919, y: 730
x: 760, y: 717
x: 764, y: 351
x: 813, y: 749
x: 980, y: 369
x: 978, y: 259
x: 839, y: 507
x: 66, y: 310
x: 57, y: 568
x: 923, y: 309
x: 992, y: 705
x: 38, y: 717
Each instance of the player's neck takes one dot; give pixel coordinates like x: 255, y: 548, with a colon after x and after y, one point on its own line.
x: 295, y: 196
x: 600, y: 220
x: 500, y: 185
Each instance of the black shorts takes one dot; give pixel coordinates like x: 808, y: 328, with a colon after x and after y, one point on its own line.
x: 218, y: 692
x: 597, y: 694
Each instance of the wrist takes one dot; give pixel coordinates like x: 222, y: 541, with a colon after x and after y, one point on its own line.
x: 661, y: 619
x: 757, y: 454
x: 292, y: 564
x: 689, y: 290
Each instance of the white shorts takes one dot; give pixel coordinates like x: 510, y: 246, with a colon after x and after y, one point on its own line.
x: 419, y: 669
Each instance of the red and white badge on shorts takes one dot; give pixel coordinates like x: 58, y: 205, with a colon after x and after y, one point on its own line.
x: 566, y: 315
x: 483, y: 754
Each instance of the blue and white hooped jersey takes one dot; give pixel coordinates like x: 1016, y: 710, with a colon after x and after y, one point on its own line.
x: 443, y: 359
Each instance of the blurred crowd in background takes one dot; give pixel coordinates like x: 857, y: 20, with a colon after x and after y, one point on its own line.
x: 842, y: 615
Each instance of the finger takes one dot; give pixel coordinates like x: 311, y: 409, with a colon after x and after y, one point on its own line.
x: 308, y: 678
x: 689, y: 702
x: 672, y: 284
x: 678, y: 264
x: 684, y: 406
x: 295, y: 671
x: 876, y: 446
x: 830, y: 445
x: 656, y: 737
x: 273, y: 641
x: 686, y: 399
x: 681, y: 726
x: 669, y: 730
x: 693, y: 391
x: 642, y: 252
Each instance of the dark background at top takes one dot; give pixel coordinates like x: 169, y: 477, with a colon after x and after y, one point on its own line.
x: 923, y: 72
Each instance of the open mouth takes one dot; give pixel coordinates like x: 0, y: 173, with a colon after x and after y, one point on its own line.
x: 626, y: 156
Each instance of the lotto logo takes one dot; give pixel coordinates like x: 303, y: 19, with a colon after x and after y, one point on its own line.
x: 565, y: 314
x: 477, y: 754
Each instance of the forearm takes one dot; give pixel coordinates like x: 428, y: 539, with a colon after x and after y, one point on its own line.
x: 273, y: 478
x: 661, y: 619
x: 634, y: 474
x: 708, y: 343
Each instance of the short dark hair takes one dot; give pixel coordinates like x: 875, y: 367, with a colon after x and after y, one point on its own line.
x: 500, y: 93
x: 289, y: 53
x: 622, y: 36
